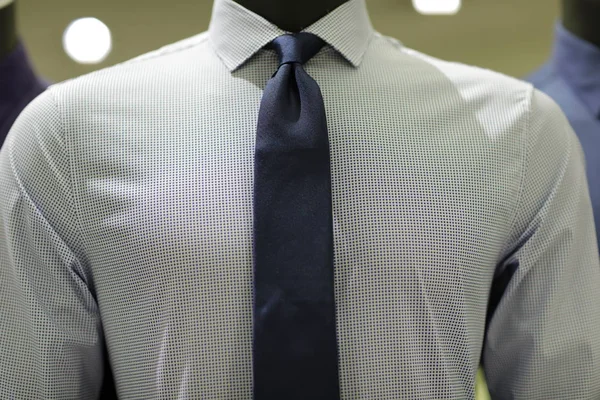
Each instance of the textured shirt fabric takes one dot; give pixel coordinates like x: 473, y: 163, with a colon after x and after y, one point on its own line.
x: 18, y: 86
x: 572, y: 79
x: 126, y: 224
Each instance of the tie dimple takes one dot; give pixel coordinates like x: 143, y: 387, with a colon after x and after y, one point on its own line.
x: 297, y: 48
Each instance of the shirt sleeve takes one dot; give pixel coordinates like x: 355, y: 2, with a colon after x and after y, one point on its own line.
x: 51, y: 344
x: 543, y: 338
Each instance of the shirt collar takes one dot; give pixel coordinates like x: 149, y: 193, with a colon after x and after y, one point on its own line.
x: 237, y: 33
x: 578, y: 62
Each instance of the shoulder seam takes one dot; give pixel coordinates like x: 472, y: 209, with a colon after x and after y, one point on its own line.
x: 172, y: 48
x: 391, y: 40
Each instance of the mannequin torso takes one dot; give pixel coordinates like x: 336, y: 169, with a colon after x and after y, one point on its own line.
x: 8, y: 28
x: 291, y: 16
x: 582, y: 18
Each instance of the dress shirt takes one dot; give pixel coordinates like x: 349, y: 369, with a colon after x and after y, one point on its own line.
x: 18, y: 86
x: 126, y: 220
x: 572, y: 79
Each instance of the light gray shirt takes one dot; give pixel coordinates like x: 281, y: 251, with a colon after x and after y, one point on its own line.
x: 126, y: 224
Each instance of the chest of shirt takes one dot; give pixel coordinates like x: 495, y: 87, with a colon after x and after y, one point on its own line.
x: 422, y: 181
x: 405, y: 186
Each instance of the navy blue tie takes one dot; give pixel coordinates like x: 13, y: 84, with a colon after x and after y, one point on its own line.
x: 295, y: 346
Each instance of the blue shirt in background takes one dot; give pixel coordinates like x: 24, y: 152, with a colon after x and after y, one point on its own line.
x: 18, y: 86
x: 572, y: 79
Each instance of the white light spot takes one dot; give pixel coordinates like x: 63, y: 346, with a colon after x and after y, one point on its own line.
x: 87, y: 41
x: 437, y: 7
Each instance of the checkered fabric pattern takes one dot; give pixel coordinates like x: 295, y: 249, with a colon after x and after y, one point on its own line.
x: 126, y: 225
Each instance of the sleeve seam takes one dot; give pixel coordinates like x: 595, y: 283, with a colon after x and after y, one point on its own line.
x: 71, y: 186
x: 524, y: 159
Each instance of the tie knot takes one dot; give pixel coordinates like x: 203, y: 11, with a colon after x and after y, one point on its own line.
x: 297, y: 48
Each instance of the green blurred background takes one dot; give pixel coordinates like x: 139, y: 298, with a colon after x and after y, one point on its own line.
x: 510, y: 36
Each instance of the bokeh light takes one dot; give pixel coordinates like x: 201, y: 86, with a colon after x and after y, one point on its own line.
x: 87, y: 41
x: 437, y: 7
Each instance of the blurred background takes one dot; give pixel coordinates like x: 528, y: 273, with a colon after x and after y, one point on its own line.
x: 510, y: 36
